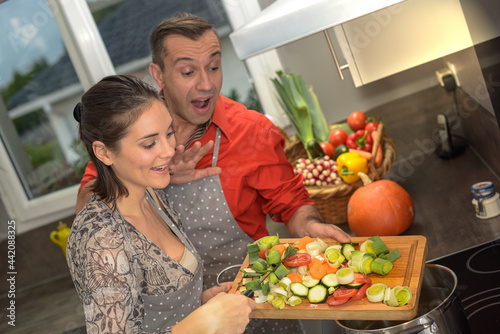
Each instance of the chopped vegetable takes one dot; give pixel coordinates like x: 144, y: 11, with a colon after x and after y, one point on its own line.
x: 317, y: 294
x: 397, y: 296
x: 317, y: 270
x: 299, y: 289
x: 381, y: 266
x: 268, y: 242
x: 376, y: 292
x: 330, y: 280
x: 379, y: 247
x: 304, y: 241
x: 345, y: 275
x: 294, y: 301
x: 295, y: 277
x: 273, y: 256
x: 392, y: 256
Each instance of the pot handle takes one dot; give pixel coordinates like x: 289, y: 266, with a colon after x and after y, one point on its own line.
x: 417, y: 329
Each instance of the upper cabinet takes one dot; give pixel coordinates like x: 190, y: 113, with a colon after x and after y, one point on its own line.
x: 400, y: 37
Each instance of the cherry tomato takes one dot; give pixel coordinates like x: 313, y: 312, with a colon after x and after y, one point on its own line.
x: 338, y: 137
x: 344, y: 292
x: 297, y: 260
x: 331, y: 300
x: 371, y: 126
x: 361, y: 292
x: 357, y: 120
x: 327, y: 148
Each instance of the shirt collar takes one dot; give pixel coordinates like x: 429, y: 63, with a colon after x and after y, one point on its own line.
x: 219, y: 116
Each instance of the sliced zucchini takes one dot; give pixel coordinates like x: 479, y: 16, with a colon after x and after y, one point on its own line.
x: 347, y: 248
x: 309, y: 282
x: 299, y: 289
x: 354, y: 285
x: 330, y: 280
x: 317, y: 294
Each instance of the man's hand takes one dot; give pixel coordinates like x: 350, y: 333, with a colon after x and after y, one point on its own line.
x: 183, y: 163
x: 308, y: 221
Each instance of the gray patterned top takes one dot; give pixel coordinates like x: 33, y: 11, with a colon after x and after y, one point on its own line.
x: 114, y: 268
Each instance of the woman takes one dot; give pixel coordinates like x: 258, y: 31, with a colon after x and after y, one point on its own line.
x: 132, y: 265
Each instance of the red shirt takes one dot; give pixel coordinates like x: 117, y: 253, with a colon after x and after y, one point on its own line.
x: 256, y: 177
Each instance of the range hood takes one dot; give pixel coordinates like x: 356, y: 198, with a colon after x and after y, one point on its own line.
x: 285, y: 21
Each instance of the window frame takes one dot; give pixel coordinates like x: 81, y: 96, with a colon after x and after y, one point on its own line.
x: 91, y: 62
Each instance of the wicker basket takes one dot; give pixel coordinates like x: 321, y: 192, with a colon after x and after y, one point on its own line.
x: 331, y: 201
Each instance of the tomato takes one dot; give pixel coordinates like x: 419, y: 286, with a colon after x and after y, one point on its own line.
x: 361, y: 292
x: 327, y: 148
x: 371, y: 126
x: 362, y: 278
x: 344, y: 292
x: 262, y: 253
x: 338, y: 137
x: 357, y: 120
x: 297, y: 260
x: 331, y: 300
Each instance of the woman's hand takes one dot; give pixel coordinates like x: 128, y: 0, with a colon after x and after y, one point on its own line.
x: 183, y: 163
x: 215, y: 290
x: 223, y: 314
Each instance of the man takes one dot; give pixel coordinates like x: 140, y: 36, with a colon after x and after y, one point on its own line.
x: 229, y: 210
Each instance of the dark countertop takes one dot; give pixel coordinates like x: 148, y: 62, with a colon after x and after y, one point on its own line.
x: 439, y: 188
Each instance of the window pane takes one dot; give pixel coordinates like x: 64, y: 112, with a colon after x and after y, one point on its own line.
x: 35, y: 83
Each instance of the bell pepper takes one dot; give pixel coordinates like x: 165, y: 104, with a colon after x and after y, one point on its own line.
x: 349, y: 165
x: 360, y: 140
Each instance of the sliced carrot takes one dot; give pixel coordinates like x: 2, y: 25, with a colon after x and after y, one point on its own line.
x: 304, y: 241
x: 295, y: 277
x: 331, y: 269
x: 317, y: 271
x: 315, y: 260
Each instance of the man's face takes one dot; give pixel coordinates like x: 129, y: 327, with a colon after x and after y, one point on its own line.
x: 192, y: 76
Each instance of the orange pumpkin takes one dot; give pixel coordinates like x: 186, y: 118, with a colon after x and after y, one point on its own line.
x: 380, y: 208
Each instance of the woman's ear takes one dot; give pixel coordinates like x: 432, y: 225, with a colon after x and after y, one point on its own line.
x: 102, y: 153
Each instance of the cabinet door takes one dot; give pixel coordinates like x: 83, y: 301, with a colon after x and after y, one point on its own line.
x: 402, y: 36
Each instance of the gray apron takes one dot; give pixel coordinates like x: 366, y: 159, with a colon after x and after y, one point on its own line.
x: 209, y: 223
x: 161, y: 312
x: 218, y: 238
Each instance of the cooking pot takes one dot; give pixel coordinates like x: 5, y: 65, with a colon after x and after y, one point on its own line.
x: 439, y: 309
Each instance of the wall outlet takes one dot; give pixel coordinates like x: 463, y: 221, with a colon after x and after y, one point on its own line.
x: 454, y: 72
x: 448, y: 70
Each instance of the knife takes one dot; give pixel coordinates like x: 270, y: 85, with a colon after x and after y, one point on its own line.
x: 250, y: 293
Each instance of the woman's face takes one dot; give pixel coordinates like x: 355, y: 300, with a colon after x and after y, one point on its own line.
x: 146, y: 151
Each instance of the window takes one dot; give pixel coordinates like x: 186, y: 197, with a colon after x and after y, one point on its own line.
x: 52, y: 51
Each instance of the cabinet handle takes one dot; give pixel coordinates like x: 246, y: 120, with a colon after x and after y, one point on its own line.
x: 332, y: 51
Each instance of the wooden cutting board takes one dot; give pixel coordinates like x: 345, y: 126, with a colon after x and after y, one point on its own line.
x: 408, y: 271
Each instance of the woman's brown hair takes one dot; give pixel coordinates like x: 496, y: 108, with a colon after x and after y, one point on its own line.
x: 106, y: 113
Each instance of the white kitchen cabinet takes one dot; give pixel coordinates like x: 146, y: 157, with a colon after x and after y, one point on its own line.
x: 402, y: 36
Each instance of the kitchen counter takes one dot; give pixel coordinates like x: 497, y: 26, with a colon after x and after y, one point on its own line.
x: 440, y: 188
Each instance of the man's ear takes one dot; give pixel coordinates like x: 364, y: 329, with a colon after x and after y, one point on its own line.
x: 102, y: 153
x: 157, y: 75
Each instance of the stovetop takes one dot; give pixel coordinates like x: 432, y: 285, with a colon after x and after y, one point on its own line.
x: 478, y: 272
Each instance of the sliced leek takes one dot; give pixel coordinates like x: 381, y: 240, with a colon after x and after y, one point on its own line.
x: 381, y: 266
x: 376, y: 292
x: 397, y: 296
x: 345, y: 275
x: 314, y: 248
x: 294, y: 301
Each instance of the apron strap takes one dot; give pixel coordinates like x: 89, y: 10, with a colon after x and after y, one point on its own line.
x: 215, y: 155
